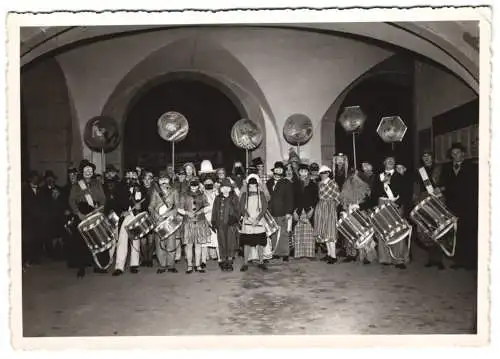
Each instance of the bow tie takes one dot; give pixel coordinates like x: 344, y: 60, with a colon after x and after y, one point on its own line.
x: 457, y: 166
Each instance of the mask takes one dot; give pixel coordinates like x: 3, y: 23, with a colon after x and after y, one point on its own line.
x: 209, y: 186
x: 239, y: 171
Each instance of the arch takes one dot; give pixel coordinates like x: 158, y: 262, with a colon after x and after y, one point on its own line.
x: 189, y: 58
x: 397, y: 68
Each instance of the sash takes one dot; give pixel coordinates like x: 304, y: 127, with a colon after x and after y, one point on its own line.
x: 387, y: 188
x: 87, y: 195
x: 426, y: 180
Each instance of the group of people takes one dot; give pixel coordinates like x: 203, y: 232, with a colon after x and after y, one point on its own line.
x: 292, y: 212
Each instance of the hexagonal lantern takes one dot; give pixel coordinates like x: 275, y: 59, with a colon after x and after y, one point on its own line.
x: 352, y: 119
x: 391, y: 129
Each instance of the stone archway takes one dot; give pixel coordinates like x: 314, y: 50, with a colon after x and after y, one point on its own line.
x: 205, y: 61
x: 210, y: 107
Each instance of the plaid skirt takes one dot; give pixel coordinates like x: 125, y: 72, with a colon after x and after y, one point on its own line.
x: 304, y: 240
x: 196, y: 232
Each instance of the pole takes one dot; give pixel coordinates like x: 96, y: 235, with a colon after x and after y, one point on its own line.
x: 246, y: 164
x: 173, y: 157
x: 354, y: 150
x: 298, y: 150
x: 103, y: 162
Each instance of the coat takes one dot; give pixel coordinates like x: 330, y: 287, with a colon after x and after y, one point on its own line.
x: 281, y: 202
x: 399, y: 187
x: 461, y: 191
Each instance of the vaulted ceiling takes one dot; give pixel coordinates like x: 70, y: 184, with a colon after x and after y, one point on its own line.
x: 454, y: 45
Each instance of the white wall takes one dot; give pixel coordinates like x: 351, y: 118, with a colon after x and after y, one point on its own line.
x: 436, y: 91
x: 290, y: 71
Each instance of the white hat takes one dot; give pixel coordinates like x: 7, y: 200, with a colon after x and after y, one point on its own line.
x: 252, y: 176
x: 324, y: 169
x: 206, y: 167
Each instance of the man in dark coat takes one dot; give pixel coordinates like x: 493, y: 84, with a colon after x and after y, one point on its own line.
x: 281, y: 208
x: 33, y: 220
x: 460, y: 182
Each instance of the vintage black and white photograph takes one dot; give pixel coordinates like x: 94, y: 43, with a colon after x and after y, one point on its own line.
x: 250, y: 177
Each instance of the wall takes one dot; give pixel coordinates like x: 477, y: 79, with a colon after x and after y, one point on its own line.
x: 435, y: 92
x: 285, y: 71
x: 48, y: 119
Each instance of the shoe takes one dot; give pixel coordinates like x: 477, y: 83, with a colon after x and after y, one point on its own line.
x: 400, y: 266
x: 331, y: 260
x: 160, y: 270
x: 134, y: 270
x: 348, y: 259
x: 286, y: 259
x: 173, y: 270
x: 366, y: 261
x: 263, y: 267
x: 117, y: 272
x: 244, y: 268
x: 100, y: 271
x: 189, y: 271
x: 266, y: 261
x: 200, y: 270
x: 203, y: 265
x: 80, y: 273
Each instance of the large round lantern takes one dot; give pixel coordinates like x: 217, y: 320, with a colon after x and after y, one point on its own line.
x: 173, y: 127
x: 246, y: 134
x: 352, y: 120
x: 101, y: 133
x: 298, y: 130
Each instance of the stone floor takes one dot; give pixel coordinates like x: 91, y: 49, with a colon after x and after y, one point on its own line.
x: 302, y: 297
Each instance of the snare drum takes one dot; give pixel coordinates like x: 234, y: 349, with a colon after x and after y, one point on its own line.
x: 433, y: 219
x: 97, y: 233
x: 357, y: 228
x: 167, y: 226
x: 388, y: 224
x: 140, y: 226
x: 270, y: 224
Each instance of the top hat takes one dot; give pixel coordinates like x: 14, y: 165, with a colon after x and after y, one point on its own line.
x: 257, y: 161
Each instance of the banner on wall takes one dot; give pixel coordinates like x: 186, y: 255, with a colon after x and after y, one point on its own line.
x: 460, y: 124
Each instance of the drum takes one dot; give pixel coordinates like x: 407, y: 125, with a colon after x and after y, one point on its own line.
x: 167, y: 226
x: 97, y: 233
x: 141, y: 225
x: 270, y: 224
x: 388, y: 223
x: 434, y: 220
x: 357, y: 228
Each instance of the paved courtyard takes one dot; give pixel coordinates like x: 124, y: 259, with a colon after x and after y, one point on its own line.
x: 302, y: 297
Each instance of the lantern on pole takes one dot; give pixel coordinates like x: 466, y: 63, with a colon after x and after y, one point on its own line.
x: 353, y: 120
x: 101, y: 134
x: 246, y: 134
x: 391, y: 129
x: 173, y: 127
x: 298, y: 130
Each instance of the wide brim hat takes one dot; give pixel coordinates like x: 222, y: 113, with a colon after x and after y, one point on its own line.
x: 206, y: 167
x: 325, y: 169
x: 279, y: 164
x: 249, y: 177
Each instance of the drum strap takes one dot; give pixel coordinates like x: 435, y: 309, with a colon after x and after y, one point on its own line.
x: 387, y: 187
x: 426, y: 180
x: 87, y: 195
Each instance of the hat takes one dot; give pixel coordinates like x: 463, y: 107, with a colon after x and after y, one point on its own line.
x: 50, y: 173
x: 426, y: 151
x: 254, y: 176
x: 72, y: 169
x: 293, y: 156
x: 252, y: 170
x: 206, y: 167
x: 86, y: 163
x: 314, y: 167
x: 181, y: 171
x: 257, y: 162
x: 226, y: 183
x: 163, y: 174
x: 279, y: 164
x: 303, y: 166
x: 111, y: 168
x: 324, y: 169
